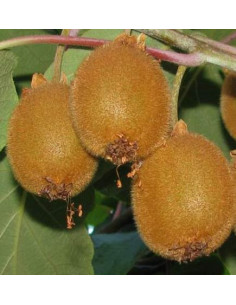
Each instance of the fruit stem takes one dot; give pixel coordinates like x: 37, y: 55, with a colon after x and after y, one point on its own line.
x: 175, y: 92
x: 58, y: 58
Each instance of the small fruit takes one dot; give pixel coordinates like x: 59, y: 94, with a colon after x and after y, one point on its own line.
x: 44, y: 151
x: 120, y: 102
x: 228, y: 103
x: 185, y: 206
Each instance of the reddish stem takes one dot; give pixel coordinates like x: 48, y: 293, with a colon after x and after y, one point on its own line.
x: 193, y: 59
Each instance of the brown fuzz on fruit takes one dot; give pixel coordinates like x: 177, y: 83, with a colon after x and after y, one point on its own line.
x: 46, y: 156
x: 228, y: 102
x: 185, y: 206
x: 120, y: 103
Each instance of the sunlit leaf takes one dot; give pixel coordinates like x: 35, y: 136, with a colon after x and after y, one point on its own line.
x: 8, y: 95
x: 33, y: 235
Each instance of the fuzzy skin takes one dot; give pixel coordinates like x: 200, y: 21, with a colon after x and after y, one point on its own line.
x: 186, y: 197
x: 228, y: 103
x: 119, y: 89
x: 42, y: 142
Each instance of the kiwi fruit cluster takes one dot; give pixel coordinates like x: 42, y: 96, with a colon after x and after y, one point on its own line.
x: 118, y: 107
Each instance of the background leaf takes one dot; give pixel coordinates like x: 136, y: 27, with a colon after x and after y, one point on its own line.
x: 8, y: 95
x: 116, y: 253
x: 33, y: 238
x: 200, y: 99
x: 31, y: 58
x: 200, y: 108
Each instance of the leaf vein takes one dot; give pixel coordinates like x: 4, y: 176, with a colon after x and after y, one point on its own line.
x: 41, y: 250
x: 8, y: 224
x: 8, y: 194
x: 7, y: 263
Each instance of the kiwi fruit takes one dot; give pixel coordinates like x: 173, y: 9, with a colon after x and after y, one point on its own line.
x: 228, y: 102
x: 120, y: 103
x: 184, y: 207
x: 45, y: 154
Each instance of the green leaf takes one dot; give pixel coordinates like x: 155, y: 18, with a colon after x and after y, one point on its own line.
x: 200, y: 106
x: 8, y: 95
x: 200, y: 100
x: 31, y: 58
x: 33, y: 238
x: 98, y: 215
x: 116, y: 253
x: 100, y: 211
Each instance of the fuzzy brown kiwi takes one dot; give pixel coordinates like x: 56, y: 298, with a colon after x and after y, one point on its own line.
x: 45, y: 154
x: 228, y: 102
x: 184, y: 207
x: 120, y: 103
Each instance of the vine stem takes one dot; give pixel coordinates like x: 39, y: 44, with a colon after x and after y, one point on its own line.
x: 52, y: 39
x: 210, y: 51
x: 201, y: 49
x: 190, y: 60
x: 175, y: 92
